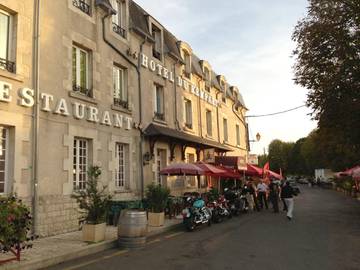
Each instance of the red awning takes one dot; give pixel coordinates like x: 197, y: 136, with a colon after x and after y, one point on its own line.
x: 182, y: 169
x: 230, y: 173
x: 209, y: 169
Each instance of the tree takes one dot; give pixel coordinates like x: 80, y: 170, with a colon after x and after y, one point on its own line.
x: 328, y: 65
x: 279, y: 155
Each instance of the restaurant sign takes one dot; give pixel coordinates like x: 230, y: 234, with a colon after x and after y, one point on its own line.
x: 61, y: 107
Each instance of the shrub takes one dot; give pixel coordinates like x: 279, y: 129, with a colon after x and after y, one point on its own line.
x: 94, y: 202
x: 157, y: 197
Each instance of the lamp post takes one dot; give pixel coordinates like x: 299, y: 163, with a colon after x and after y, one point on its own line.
x: 257, y: 136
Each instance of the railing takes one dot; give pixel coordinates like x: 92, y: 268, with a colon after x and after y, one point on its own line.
x: 7, y: 65
x: 122, y: 103
x: 188, y: 125
x: 156, y: 54
x: 119, y: 30
x: 159, y: 116
x: 83, y: 6
x: 82, y: 90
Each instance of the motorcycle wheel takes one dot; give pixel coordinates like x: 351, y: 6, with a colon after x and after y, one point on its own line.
x: 189, y: 224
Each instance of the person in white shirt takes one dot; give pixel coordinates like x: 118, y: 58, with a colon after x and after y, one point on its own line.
x: 262, y: 189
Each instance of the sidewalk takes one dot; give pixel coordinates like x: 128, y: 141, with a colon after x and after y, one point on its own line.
x: 56, y: 249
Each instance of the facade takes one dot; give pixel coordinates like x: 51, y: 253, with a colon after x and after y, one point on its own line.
x: 104, y: 83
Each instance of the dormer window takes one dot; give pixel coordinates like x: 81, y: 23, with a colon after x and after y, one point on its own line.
x: 118, y: 19
x: 156, y: 34
x: 207, y: 79
x: 223, y: 87
x: 187, y: 59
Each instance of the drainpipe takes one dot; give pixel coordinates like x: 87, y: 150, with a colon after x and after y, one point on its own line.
x: 35, y: 116
x: 137, y: 67
x: 243, y: 122
x: 199, y: 109
x: 177, y: 124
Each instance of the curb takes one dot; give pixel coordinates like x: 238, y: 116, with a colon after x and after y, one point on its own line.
x: 81, y: 252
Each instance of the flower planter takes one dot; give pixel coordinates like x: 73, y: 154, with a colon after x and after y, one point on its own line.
x: 156, y: 219
x: 93, y: 232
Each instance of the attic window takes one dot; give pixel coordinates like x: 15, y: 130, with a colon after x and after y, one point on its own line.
x: 207, y: 79
x: 118, y: 19
x: 156, y: 34
x: 187, y: 59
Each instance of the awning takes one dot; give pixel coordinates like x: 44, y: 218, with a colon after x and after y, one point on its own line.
x: 182, y: 169
x: 158, y: 131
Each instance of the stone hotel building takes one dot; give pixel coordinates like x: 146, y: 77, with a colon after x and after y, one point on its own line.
x: 99, y: 82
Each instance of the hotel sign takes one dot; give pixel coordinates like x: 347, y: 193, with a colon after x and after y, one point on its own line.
x: 60, y: 106
x: 185, y: 84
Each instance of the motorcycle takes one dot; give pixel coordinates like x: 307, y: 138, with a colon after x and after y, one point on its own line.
x: 195, y: 213
x: 223, y: 208
x: 234, y: 201
x: 214, y: 208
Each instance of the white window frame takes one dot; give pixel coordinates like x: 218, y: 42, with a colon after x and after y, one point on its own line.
x: 162, y: 109
x: 225, y: 130
x: 237, y: 135
x: 117, y: 18
x: 9, y: 34
x: 121, y: 176
x: 6, y: 157
x: 119, y: 78
x: 209, y: 123
x: 78, y: 50
x: 188, y: 121
x: 159, y: 164
x: 77, y: 172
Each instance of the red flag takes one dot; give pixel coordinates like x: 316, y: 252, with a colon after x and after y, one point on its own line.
x: 266, y: 170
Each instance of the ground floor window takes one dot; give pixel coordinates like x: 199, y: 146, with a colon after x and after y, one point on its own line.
x: 4, y: 145
x: 80, y: 163
x: 122, y: 165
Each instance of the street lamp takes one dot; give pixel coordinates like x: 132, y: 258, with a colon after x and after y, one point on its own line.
x: 258, y: 137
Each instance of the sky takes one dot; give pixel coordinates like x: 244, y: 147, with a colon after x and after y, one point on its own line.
x: 249, y: 42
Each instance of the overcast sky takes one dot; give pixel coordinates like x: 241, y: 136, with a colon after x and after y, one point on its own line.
x: 250, y: 43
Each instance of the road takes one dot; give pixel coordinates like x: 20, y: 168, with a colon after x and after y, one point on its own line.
x: 324, y: 234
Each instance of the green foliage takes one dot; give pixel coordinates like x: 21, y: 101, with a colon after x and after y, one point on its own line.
x: 279, y: 155
x: 328, y: 65
x: 262, y: 159
x: 157, y: 197
x: 93, y: 201
x: 15, y: 222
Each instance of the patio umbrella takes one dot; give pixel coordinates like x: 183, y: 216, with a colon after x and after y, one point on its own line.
x: 182, y: 169
x: 350, y: 172
x: 356, y: 172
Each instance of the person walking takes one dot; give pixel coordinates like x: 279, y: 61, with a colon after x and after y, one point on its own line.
x: 287, y: 194
x: 262, y: 189
x: 274, y: 196
x: 282, y: 199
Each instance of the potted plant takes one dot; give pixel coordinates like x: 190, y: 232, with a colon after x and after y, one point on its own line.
x: 95, y: 204
x: 15, y: 223
x: 157, y: 197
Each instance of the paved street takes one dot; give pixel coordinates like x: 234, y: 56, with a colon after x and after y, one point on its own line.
x: 325, y: 234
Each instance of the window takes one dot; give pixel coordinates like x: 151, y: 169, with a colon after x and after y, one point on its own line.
x: 187, y: 60
x: 80, y: 71
x: 188, y: 113
x: 4, y: 145
x: 159, y: 102
x: 83, y: 5
x: 118, y: 21
x: 225, y: 126
x: 156, y: 34
x: 119, y: 87
x: 5, y: 42
x: 160, y: 164
x: 237, y: 135
x: 80, y: 163
x: 121, y: 172
x: 208, y: 123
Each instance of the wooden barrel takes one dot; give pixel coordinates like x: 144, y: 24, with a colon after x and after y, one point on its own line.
x: 132, y: 229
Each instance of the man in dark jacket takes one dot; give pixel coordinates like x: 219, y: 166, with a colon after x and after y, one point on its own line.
x: 287, y: 194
